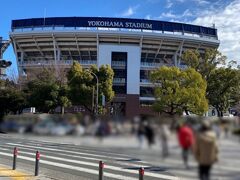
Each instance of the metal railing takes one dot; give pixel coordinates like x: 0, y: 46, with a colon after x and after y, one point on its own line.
x: 118, y: 63
x: 60, y: 28
x: 52, y: 62
x: 119, y: 80
x: 156, y: 65
x: 145, y: 81
x: 153, y: 64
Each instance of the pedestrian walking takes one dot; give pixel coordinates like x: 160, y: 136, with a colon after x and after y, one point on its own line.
x: 206, y: 150
x: 149, y: 132
x: 226, y: 130
x: 186, y: 141
x: 140, y: 134
x: 216, y: 128
x: 100, y: 129
x: 164, y: 134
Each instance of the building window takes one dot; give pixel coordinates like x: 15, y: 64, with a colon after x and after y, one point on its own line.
x: 119, y: 89
x: 144, y: 74
x: 146, y: 92
x: 120, y: 74
x: 119, y: 56
x: 146, y: 103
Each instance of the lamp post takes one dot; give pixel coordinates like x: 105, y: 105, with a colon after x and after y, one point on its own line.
x: 97, y: 89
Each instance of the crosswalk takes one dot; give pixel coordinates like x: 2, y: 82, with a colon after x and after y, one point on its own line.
x: 228, y: 167
x: 82, y: 162
x: 69, y: 161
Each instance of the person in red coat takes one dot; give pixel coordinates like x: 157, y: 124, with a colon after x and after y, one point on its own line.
x: 186, y: 141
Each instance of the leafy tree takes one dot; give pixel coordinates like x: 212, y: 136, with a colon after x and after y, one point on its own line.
x: 105, y: 75
x: 11, y: 98
x: 179, y: 90
x: 221, y: 83
x: 204, y: 63
x: 223, y: 88
x: 45, y: 92
x: 82, y: 82
x: 80, y: 86
x: 63, y: 98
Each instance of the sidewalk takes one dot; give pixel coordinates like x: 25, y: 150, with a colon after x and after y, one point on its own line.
x: 6, y: 173
x: 128, y: 141
x: 120, y: 141
x: 226, y: 168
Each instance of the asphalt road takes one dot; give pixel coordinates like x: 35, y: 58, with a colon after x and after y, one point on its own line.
x: 70, y: 162
x: 70, y: 157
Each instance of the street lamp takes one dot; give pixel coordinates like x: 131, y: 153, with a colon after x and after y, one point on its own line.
x: 97, y: 89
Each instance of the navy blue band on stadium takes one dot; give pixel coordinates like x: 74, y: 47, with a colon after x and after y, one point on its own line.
x: 114, y: 23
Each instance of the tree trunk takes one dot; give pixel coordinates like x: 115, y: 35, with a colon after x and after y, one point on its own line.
x: 89, y: 109
x: 62, y: 110
x: 1, y: 116
x: 218, y: 113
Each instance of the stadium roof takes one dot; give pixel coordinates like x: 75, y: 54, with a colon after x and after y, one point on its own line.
x: 113, y: 23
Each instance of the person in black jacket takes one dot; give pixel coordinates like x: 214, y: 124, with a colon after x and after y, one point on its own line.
x: 149, y: 133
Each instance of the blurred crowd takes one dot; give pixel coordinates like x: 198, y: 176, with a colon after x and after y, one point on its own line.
x: 196, y: 137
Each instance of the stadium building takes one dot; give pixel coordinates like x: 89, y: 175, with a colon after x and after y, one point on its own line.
x: 133, y: 47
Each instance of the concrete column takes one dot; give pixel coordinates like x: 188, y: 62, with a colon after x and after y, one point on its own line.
x: 58, y: 54
x: 132, y: 105
x: 180, y: 53
x: 98, y: 62
x: 21, y: 61
x: 22, y: 56
x: 54, y: 49
x: 175, y: 59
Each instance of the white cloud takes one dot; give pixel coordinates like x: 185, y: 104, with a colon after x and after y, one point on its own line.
x: 227, y: 22
x: 153, y: 1
x: 148, y: 17
x: 181, y: 1
x: 186, y: 13
x: 202, y: 2
x: 169, y: 4
x: 130, y: 11
x: 170, y: 15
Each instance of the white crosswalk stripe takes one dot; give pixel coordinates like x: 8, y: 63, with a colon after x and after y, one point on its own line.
x: 119, y: 164
x: 96, y: 165
x: 73, y: 160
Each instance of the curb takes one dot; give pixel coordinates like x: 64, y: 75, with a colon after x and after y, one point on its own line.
x: 8, y: 173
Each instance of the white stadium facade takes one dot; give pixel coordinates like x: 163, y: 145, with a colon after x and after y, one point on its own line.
x: 132, y: 47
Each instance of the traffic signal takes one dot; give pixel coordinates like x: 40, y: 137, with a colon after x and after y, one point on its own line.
x: 4, y: 63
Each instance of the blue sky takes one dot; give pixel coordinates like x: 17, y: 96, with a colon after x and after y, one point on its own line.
x: 224, y: 13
